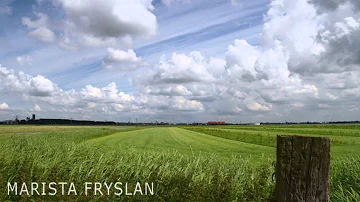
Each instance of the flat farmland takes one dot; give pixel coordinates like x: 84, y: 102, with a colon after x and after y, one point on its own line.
x: 345, y: 139
x: 190, y: 163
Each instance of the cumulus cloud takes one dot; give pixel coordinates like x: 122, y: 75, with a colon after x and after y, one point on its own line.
x: 118, y: 107
x: 294, y: 55
x: 39, y: 27
x: 19, y: 82
x: 42, y: 21
x: 258, y: 107
x: 92, y: 105
x: 41, y: 86
x: 176, y: 90
x: 182, y: 104
x: 109, y: 94
x: 24, y: 59
x: 331, y: 96
x: 4, y: 106
x: 95, y: 23
x: 90, y: 99
x: 67, y: 43
x: 183, y: 68
x: 41, y: 89
x: 43, y: 34
x: 296, y: 63
x: 92, y: 41
x: 121, y: 59
x: 112, y: 18
x: 325, y: 5
x: 237, y: 109
x: 37, y: 108
x: 240, y: 60
x: 99, y: 23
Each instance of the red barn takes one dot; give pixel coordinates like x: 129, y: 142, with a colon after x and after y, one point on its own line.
x: 216, y: 123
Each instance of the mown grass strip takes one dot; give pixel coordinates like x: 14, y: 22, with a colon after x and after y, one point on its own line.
x: 258, y: 139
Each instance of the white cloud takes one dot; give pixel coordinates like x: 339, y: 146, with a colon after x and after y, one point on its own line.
x: 39, y: 27
x: 4, y: 106
x: 312, y: 88
x: 42, y: 21
x: 331, y: 96
x: 66, y: 43
x: 118, y: 107
x: 182, y: 104
x: 92, y: 105
x: 96, y: 23
x: 37, y: 108
x: 258, y: 107
x: 41, y: 86
x: 127, y: 41
x: 41, y: 89
x: 112, y: 18
x: 186, y: 69
x: 327, y: 6
x: 176, y: 89
x: 121, y: 59
x: 24, y: 59
x: 240, y: 60
x: 109, y: 93
x: 92, y: 41
x: 43, y: 34
x: 237, y: 109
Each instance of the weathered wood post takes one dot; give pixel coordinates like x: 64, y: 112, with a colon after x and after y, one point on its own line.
x: 302, y: 169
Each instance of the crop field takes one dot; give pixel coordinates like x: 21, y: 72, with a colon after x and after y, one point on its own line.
x: 189, y: 163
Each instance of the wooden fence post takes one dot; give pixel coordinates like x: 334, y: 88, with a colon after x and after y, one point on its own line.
x: 302, y: 169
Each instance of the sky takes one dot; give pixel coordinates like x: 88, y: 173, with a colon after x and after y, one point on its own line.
x: 180, y: 60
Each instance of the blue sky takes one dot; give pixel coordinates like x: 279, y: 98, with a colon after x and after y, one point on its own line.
x: 260, y: 60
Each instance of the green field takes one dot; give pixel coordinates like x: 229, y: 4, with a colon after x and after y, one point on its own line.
x: 190, y: 163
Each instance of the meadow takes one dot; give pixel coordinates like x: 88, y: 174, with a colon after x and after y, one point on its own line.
x: 189, y: 163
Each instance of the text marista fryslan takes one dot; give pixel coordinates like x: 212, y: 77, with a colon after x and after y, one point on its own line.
x: 89, y: 188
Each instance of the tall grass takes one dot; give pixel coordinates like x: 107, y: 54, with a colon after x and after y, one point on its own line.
x: 345, y: 179
x: 177, y: 177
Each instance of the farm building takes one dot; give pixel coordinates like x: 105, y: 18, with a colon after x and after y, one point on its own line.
x: 216, y: 123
